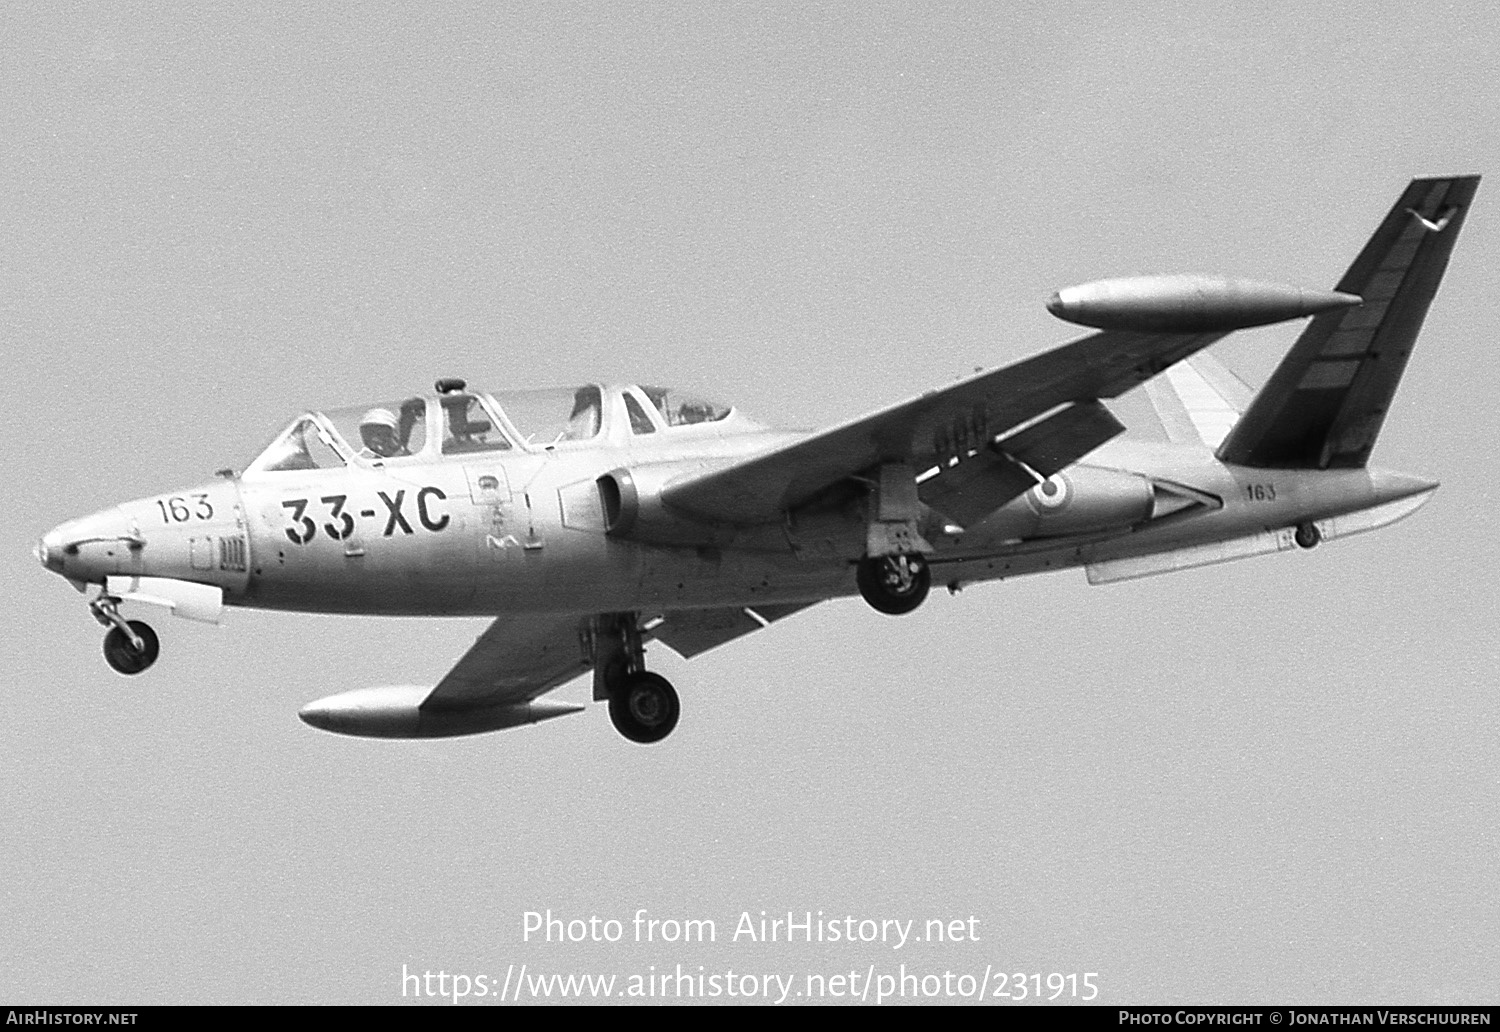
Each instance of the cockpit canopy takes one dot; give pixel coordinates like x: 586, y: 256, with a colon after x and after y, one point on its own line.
x: 460, y: 422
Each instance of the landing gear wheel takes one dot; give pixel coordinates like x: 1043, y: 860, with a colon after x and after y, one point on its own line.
x: 644, y: 707
x: 1307, y: 535
x: 894, y: 584
x: 124, y: 657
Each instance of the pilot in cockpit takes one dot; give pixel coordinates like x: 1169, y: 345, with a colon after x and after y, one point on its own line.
x: 583, y: 422
x: 377, y: 429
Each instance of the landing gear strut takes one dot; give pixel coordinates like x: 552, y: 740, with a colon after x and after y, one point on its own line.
x: 894, y: 584
x: 131, y: 646
x: 643, y: 706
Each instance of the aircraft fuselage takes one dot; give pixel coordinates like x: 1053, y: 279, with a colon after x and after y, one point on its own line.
x: 527, y: 532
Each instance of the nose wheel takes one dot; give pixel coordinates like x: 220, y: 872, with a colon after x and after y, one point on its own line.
x: 130, y: 653
x: 644, y: 707
x: 894, y: 584
x: 130, y: 646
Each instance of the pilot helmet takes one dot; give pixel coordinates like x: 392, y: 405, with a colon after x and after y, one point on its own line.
x: 378, y: 417
x: 377, y: 428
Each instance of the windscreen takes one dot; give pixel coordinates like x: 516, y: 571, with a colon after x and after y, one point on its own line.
x: 303, y: 445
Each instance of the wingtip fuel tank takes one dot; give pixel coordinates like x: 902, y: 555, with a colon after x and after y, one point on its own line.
x: 396, y: 711
x: 1189, y: 304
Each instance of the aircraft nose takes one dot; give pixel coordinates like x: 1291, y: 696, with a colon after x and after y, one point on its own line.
x: 89, y: 548
x: 49, y: 550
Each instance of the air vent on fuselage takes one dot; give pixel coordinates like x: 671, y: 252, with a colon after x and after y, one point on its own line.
x: 618, y: 494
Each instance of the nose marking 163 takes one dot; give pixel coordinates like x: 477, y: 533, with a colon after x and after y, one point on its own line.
x: 176, y: 509
x: 340, y: 525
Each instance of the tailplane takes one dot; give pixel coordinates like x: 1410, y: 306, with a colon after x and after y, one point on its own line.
x: 1325, y: 403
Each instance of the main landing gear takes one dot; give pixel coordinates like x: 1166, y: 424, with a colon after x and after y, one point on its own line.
x: 894, y: 576
x: 131, y: 646
x: 894, y: 584
x: 643, y: 706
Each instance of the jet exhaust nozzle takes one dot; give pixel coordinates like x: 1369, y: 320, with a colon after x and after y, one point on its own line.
x: 1189, y: 304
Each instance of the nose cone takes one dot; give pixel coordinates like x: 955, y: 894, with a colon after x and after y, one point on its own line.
x: 49, y: 550
x: 89, y: 548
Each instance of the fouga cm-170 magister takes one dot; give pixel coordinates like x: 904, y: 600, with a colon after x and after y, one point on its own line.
x: 588, y: 521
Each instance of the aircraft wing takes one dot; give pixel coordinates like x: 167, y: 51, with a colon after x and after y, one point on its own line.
x: 940, y: 424
x: 516, y: 659
x: 689, y: 632
x: 519, y: 658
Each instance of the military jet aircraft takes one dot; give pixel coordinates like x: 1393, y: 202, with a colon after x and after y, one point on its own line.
x: 588, y: 521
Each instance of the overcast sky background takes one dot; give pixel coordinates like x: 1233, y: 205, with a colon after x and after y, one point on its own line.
x: 1272, y: 781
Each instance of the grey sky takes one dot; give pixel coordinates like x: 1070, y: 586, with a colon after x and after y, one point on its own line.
x: 1270, y: 781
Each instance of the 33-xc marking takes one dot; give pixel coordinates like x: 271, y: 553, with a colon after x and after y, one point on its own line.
x: 340, y: 524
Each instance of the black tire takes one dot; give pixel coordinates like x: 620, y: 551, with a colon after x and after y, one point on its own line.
x: 644, y: 708
x: 892, y: 588
x: 1307, y: 535
x: 126, y: 659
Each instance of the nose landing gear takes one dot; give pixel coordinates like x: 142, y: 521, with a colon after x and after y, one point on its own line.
x: 131, y: 653
x: 131, y: 646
